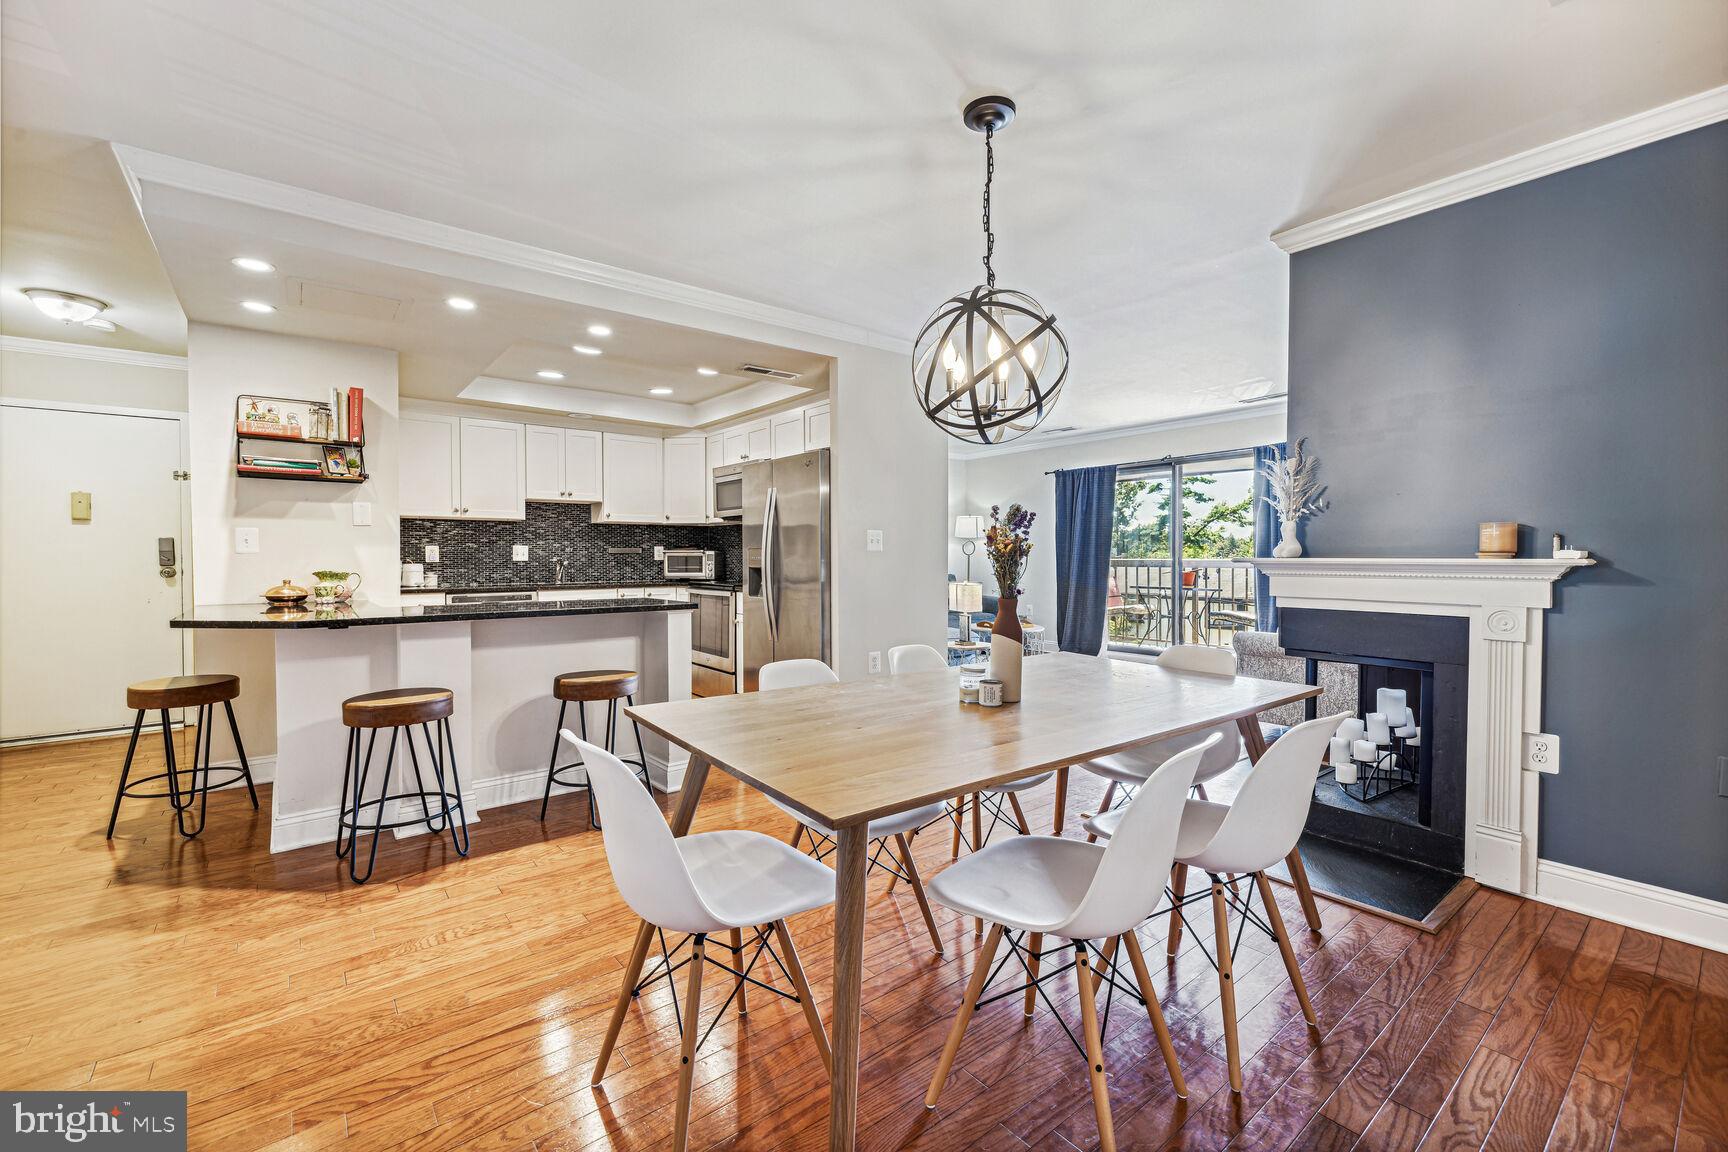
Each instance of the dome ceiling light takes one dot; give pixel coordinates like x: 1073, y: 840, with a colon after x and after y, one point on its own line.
x: 66, y: 307
x: 989, y: 363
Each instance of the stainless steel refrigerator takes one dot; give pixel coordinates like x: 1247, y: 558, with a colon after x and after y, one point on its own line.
x: 786, y: 521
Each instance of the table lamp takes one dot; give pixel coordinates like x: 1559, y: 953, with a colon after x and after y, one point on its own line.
x: 971, y: 530
x: 965, y: 597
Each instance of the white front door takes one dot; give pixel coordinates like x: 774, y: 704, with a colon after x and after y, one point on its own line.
x: 84, y: 604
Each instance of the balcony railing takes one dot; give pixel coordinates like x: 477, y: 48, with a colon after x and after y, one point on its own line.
x: 1217, y: 600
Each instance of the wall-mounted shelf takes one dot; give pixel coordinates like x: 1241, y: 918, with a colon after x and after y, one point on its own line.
x: 337, y: 460
x: 319, y: 477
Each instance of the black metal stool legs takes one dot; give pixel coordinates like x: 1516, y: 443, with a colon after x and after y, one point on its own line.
x: 240, y: 751
x: 125, y: 771
x: 451, y: 816
x: 553, y: 768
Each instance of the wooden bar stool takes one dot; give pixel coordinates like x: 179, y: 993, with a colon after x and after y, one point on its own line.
x: 581, y: 688
x: 399, y: 709
x: 202, y: 692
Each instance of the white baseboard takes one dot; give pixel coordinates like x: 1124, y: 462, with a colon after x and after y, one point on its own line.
x: 263, y: 770
x: 668, y: 774
x: 1678, y: 915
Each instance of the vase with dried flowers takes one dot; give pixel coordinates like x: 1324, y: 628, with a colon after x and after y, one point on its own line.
x: 1294, y: 491
x: 1008, y: 542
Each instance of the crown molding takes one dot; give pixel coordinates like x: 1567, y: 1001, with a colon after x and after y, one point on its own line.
x: 92, y: 352
x: 1706, y: 107
x: 144, y: 167
x: 1246, y: 411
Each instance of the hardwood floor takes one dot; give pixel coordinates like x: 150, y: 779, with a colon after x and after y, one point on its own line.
x: 460, y: 1004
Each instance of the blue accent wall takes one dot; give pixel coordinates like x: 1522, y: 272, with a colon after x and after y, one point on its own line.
x: 1556, y: 353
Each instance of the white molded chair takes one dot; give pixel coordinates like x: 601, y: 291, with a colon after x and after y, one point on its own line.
x: 1244, y: 838
x: 923, y: 658
x: 699, y: 885
x: 1041, y: 886
x: 898, y: 828
x: 1128, y: 769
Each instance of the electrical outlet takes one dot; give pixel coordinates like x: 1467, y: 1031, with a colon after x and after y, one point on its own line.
x: 875, y: 662
x: 518, y: 552
x: 245, y: 540
x: 1541, y: 752
x: 873, y: 540
x: 431, y: 553
x: 659, y: 551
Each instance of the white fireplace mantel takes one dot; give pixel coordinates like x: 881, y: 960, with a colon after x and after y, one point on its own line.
x: 1504, y: 600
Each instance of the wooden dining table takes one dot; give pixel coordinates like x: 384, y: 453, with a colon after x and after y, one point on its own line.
x: 846, y: 754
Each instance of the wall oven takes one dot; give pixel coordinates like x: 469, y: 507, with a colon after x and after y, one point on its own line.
x: 729, y: 492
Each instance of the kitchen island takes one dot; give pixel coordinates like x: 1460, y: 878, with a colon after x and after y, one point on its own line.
x: 498, y: 659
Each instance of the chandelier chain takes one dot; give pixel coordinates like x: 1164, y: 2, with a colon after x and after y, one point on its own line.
x: 989, y: 175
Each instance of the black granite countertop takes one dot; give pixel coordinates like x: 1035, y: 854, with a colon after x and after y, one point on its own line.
x: 548, y: 586
x: 363, y: 614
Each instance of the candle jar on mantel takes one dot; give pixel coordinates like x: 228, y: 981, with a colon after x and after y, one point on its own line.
x: 1007, y: 648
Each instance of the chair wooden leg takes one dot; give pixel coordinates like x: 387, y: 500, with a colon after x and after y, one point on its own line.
x: 1226, y: 982
x: 1283, y: 937
x: 1178, y: 887
x: 812, y: 1016
x: 894, y: 877
x: 977, y: 821
x: 968, y: 1003
x: 1019, y: 814
x: 1094, y: 1051
x: 959, y: 816
x: 916, y: 883
x: 632, y: 973
x: 687, y: 1050
x: 797, y: 835
x: 1137, y: 958
x: 1035, y: 945
x: 1299, y: 877
x: 1061, y: 816
x: 738, y: 963
x: 1107, y: 961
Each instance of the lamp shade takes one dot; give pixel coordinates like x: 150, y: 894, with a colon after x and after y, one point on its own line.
x: 968, y: 528
x: 965, y: 596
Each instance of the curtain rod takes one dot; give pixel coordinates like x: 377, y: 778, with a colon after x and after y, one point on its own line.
x: 1166, y: 461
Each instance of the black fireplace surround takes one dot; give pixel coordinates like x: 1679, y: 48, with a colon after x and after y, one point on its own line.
x: 1394, y: 649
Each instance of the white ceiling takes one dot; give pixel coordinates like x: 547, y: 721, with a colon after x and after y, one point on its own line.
x: 810, y: 155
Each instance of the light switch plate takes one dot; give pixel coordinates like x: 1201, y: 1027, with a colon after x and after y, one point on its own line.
x: 245, y: 541
x: 1541, y: 752
x: 81, y: 507
x: 873, y: 540
x: 362, y: 513
x: 518, y: 552
x: 431, y: 553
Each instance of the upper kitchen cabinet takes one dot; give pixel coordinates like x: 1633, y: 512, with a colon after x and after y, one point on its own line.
x: 752, y: 441
x: 816, y: 426
x: 684, y: 478
x: 787, y: 433
x: 563, y: 464
x: 716, y: 458
x: 634, y: 482
x: 456, y: 467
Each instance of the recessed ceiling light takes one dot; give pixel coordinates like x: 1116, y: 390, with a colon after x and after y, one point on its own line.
x: 67, y: 307
x: 659, y: 391
x: 599, y: 330
x: 460, y: 303
x: 549, y: 374
x: 257, y: 306
x: 585, y: 349
x: 707, y: 372
x: 252, y: 264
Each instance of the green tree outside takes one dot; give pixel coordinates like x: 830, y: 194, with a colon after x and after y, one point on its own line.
x: 1211, y: 529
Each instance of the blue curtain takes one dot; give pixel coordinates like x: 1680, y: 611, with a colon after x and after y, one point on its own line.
x: 1085, y: 509
x: 1265, y: 536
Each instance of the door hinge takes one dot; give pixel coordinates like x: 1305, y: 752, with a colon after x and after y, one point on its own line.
x: 181, y: 474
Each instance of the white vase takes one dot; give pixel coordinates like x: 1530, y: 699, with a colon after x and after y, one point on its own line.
x: 1005, y: 659
x: 1287, y: 547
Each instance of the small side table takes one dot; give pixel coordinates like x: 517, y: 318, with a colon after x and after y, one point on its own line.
x: 966, y: 649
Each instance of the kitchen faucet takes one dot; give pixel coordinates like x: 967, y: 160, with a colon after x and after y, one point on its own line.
x: 558, y: 571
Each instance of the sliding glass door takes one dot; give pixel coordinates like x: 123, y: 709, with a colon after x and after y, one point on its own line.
x: 1179, y: 553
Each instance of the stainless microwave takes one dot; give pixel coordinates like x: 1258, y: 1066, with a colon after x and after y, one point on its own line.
x: 729, y: 492
x: 688, y: 564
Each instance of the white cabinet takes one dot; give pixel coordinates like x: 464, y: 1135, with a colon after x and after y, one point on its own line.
x: 490, y: 468
x: 684, y: 474
x: 816, y: 427
x: 427, y: 471
x: 716, y: 458
x: 788, y: 433
x: 752, y: 441
x: 633, y: 485
x: 455, y: 467
x: 563, y: 464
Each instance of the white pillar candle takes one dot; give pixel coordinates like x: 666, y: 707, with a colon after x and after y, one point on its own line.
x: 1366, y: 751
x: 1340, y: 752
x: 1352, y: 729
x: 1345, y: 772
x: 1378, y: 730
x: 1390, y: 702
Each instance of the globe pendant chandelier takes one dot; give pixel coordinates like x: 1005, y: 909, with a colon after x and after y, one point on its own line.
x: 989, y: 363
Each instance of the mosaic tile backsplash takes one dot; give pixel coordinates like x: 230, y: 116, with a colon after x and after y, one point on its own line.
x: 478, y: 551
